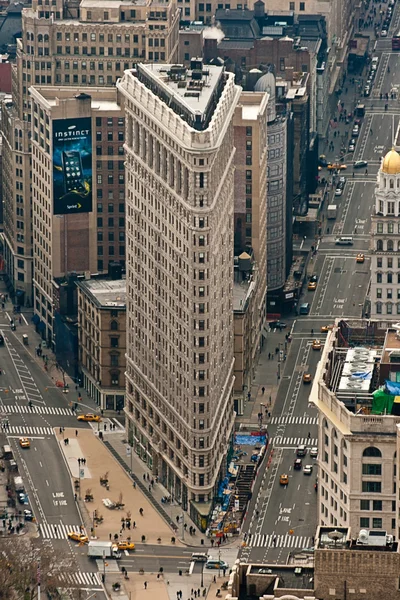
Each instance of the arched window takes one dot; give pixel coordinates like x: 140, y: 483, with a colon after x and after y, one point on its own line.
x: 372, y: 451
x: 379, y: 245
x: 40, y: 38
x: 391, y: 184
x: 379, y: 308
x: 389, y: 308
x: 325, y: 423
x: 398, y: 183
x: 46, y: 37
x: 114, y: 326
x: 390, y: 245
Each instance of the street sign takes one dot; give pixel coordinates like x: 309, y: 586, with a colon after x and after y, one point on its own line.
x: 128, y: 450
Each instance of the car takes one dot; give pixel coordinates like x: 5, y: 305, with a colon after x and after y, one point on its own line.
x: 359, y: 164
x: 301, y: 451
x: 383, y: 33
x: 307, y: 378
x: 28, y: 515
x: 360, y: 258
x: 78, y: 537
x: 351, y: 147
x: 342, y: 179
x: 298, y: 463
x: 326, y: 328
x: 216, y: 564
x: 22, y: 498
x: 125, y: 545
x: 322, y: 162
x: 284, y: 479
x: 314, y: 452
x: 314, y: 278
x: 277, y: 325
x: 24, y: 442
x: 367, y: 93
x: 312, y: 285
x: 356, y: 130
x: 338, y: 191
x: 89, y: 417
x: 336, y: 166
x: 265, y: 571
x: 307, y: 469
x: 316, y: 345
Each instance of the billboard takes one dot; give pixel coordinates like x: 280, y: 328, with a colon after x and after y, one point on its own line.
x: 72, y: 166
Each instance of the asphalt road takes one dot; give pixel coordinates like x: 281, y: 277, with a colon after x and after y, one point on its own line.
x: 282, y: 518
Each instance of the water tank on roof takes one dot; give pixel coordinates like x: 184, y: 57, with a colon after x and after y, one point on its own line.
x: 245, y: 262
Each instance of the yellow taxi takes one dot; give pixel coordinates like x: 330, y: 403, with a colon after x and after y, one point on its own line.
x: 125, y: 545
x: 312, y: 286
x: 24, y: 442
x: 360, y: 258
x: 78, y: 537
x: 316, y: 345
x: 89, y: 417
x: 284, y: 479
x: 336, y: 166
x: 326, y: 328
x: 307, y: 378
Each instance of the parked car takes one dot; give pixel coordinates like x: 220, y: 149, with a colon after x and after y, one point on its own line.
x: 307, y: 469
x: 314, y: 452
x: 338, y: 191
x: 383, y: 33
x: 277, y: 324
x: 28, y: 515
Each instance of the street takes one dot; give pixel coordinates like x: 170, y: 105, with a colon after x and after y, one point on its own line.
x: 282, y: 518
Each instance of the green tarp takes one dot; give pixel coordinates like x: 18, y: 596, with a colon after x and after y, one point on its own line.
x: 382, y: 403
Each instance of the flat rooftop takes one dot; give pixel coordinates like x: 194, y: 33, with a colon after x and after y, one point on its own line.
x: 291, y: 577
x: 192, y: 93
x: 105, y: 293
x: 392, y: 342
x: 241, y: 293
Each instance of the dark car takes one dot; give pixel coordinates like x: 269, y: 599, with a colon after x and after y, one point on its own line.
x: 28, y: 515
x: 314, y: 278
x: 22, y: 498
x: 297, y: 464
x: 322, y: 162
x: 359, y: 164
x: 277, y: 325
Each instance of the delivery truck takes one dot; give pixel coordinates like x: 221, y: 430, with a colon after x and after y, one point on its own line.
x: 332, y: 211
x: 19, y: 484
x: 98, y: 549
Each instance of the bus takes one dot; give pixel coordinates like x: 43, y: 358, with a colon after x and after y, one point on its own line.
x: 396, y: 41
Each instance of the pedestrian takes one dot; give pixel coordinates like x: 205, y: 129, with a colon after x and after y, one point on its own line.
x: 55, y: 529
x: 309, y: 435
x: 141, y: 512
x: 134, y: 485
x: 134, y: 524
x: 145, y: 585
x: 149, y: 487
x: 60, y: 429
x: 76, y: 432
x: 263, y: 390
x: 195, y: 593
x: 144, y: 477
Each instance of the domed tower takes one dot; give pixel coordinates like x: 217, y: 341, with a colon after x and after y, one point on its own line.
x: 385, y: 241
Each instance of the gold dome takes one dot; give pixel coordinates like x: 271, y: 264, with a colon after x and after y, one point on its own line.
x: 391, y: 163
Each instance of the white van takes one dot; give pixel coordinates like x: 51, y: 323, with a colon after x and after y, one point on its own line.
x: 200, y: 557
x: 344, y: 241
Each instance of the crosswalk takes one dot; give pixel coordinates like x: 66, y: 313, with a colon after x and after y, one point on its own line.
x: 79, y: 578
x: 261, y: 540
x: 58, y: 531
x: 36, y: 409
x: 294, y: 420
x: 295, y: 441
x: 30, y: 430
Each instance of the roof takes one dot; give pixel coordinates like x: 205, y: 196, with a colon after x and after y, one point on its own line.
x: 105, y: 293
x: 233, y: 45
x: 391, y: 163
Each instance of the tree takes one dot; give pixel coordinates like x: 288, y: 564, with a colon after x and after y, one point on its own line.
x: 23, y: 562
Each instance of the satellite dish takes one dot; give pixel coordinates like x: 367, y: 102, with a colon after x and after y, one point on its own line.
x: 335, y: 535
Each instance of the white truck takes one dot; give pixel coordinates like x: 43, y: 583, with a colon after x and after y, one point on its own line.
x: 332, y: 211
x: 98, y: 549
x: 19, y: 484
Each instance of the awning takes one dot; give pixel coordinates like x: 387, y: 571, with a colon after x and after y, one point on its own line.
x: 36, y: 319
x: 41, y: 326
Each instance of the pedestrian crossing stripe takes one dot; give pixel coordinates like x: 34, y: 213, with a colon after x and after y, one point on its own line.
x: 294, y: 420
x: 59, y: 531
x: 295, y: 441
x: 261, y: 540
x: 79, y: 578
x: 43, y: 410
x: 30, y: 430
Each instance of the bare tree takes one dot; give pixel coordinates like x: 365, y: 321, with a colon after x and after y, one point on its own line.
x: 23, y: 564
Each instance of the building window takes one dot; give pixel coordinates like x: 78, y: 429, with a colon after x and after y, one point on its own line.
x: 114, y: 342
x: 377, y: 505
x: 115, y: 379
x: 377, y: 523
x: 364, y: 504
x: 364, y: 522
x: 372, y: 451
x: 368, y: 469
x: 302, y: 6
x: 292, y: 6
x: 372, y: 487
x: 379, y: 292
x: 114, y: 325
x: 114, y: 359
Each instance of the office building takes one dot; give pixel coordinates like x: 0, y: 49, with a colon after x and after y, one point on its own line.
x: 356, y: 396
x: 180, y: 185
x: 74, y: 232
x: 385, y: 241
x: 250, y: 241
x: 102, y: 340
x: 73, y: 45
